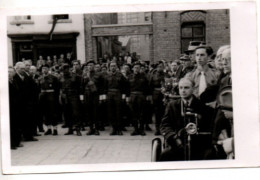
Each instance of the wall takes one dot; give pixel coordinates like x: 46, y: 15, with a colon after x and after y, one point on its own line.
x: 43, y: 24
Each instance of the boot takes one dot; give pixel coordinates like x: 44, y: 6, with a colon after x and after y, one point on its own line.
x: 135, y: 132
x: 70, y: 131
x: 113, y: 132
x: 55, y: 132
x: 147, y: 127
x: 90, y: 132
x: 96, y: 132
x: 157, y: 132
x: 48, y: 132
x: 78, y: 132
x: 142, y: 133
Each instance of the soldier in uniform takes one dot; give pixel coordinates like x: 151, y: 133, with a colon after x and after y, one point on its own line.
x: 91, y: 94
x: 70, y: 97
x: 115, y: 87
x: 156, y: 82
x: 139, y: 90
x: 49, y: 95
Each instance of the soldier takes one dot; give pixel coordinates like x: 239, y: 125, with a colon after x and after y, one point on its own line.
x: 156, y: 82
x: 91, y: 94
x: 49, y: 95
x: 115, y: 87
x: 70, y: 91
x: 138, y: 86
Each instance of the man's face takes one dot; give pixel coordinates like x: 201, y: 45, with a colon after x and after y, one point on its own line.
x: 97, y: 68
x: 174, y: 66
x: 136, y: 69
x: 91, y: 67
x: 45, y: 70
x: 76, y: 66
x: 40, y: 58
x: 201, y: 57
x: 27, y: 66
x: 68, y: 55
x: 160, y: 67
x: 113, y: 67
x: 62, y: 56
x: 126, y: 68
x: 185, y: 89
x: 218, y: 63
x: 226, y: 61
x: 20, y: 69
x: 33, y: 70
x: 11, y: 73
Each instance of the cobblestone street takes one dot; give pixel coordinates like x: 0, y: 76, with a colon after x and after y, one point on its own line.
x: 72, y: 149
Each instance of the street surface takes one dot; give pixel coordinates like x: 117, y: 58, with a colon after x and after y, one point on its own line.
x: 72, y: 149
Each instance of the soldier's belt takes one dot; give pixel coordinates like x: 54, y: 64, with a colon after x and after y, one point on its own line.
x: 113, y: 90
x: 137, y: 93
x: 157, y: 89
x: 47, y: 91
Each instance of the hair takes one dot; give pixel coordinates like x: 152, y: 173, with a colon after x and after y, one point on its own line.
x: 18, y: 64
x: 187, y: 79
x: 222, y: 48
x: 208, y: 49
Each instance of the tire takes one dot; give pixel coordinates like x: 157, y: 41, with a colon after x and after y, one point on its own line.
x: 156, y: 149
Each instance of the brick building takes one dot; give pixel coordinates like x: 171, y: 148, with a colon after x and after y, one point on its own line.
x: 168, y: 32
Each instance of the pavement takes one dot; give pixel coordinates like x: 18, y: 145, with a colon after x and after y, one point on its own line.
x: 73, y: 149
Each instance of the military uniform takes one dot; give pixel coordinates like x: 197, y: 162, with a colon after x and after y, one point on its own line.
x: 156, y: 82
x: 92, y: 89
x: 49, y: 95
x: 138, y: 86
x: 115, y: 87
x: 70, y: 91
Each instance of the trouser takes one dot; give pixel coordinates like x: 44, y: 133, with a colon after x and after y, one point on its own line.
x: 158, y: 108
x: 114, y: 109
x: 28, y: 124
x: 91, y: 109
x: 137, y: 108
x: 48, y: 105
x: 72, y: 111
x: 15, y: 131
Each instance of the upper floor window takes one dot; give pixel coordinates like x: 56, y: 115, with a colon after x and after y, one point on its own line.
x: 18, y: 20
x: 191, y: 31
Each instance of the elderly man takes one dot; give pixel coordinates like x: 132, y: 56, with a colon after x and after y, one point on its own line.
x: 176, y: 118
x: 202, y: 76
x: 27, y: 91
x: 14, y: 104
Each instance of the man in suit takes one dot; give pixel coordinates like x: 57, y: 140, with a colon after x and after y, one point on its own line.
x: 14, y: 104
x: 27, y: 101
x: 174, y: 123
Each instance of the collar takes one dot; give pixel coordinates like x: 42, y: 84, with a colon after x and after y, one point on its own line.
x: 188, y: 102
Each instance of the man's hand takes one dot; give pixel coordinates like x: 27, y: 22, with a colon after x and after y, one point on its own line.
x: 228, y: 114
x: 179, y: 143
x: 212, y: 104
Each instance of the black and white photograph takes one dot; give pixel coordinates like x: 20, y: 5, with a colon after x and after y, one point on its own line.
x: 126, y: 90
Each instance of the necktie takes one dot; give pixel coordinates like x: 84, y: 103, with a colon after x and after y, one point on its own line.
x: 202, y: 84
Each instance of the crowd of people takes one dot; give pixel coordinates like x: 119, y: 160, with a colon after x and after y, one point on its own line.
x: 121, y: 91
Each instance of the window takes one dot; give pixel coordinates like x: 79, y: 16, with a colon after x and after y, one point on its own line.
x: 192, y: 31
x: 18, y: 20
x: 62, y: 18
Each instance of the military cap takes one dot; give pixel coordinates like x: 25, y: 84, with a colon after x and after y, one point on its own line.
x: 193, y: 45
x: 185, y: 58
x: 89, y: 62
x: 103, y: 66
x: 137, y: 63
x: 65, y: 66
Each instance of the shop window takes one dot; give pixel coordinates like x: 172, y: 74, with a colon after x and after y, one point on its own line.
x: 192, y: 31
x: 18, y: 20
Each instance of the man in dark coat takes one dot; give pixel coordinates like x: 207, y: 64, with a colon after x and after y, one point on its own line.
x: 175, y: 121
x: 14, y: 104
x: 27, y: 91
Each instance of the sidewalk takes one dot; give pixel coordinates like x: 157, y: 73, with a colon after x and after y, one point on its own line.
x: 72, y: 149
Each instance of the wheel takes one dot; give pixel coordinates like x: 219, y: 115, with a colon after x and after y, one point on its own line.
x: 156, y: 149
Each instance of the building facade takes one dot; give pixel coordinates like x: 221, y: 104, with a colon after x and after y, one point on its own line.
x: 167, y: 33
x: 45, y: 35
